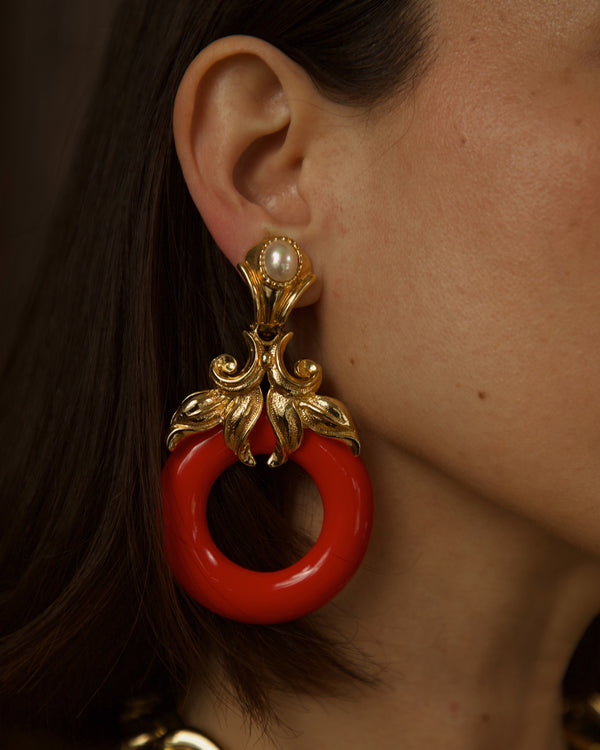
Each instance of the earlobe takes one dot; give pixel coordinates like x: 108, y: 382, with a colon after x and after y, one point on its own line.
x: 240, y: 126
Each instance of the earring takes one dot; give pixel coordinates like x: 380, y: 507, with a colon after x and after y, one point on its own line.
x: 213, y: 428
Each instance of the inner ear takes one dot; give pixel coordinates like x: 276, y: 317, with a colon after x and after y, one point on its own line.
x: 252, y: 162
x: 262, y: 178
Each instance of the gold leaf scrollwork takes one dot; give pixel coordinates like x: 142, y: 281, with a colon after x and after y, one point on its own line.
x: 308, y: 373
x: 241, y: 416
x: 292, y: 401
x: 287, y: 425
x: 328, y: 417
x: 198, y: 412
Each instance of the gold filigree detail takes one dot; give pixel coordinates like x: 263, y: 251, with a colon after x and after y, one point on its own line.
x: 292, y: 401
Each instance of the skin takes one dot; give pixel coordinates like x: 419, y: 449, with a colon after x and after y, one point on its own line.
x: 459, y: 250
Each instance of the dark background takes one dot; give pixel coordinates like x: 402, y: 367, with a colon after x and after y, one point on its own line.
x: 50, y: 52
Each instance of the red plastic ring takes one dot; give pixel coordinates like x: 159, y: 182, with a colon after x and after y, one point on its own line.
x: 247, y: 595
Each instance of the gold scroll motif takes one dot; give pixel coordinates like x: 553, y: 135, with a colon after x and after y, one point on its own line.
x: 292, y: 401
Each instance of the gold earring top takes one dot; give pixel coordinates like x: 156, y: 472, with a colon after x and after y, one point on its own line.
x: 277, y: 273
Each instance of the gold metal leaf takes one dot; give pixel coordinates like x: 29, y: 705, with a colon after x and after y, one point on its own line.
x: 254, y: 282
x: 329, y: 417
x: 286, y: 423
x: 198, y: 412
x: 308, y: 371
x: 284, y: 304
x: 223, y: 369
x: 241, y: 416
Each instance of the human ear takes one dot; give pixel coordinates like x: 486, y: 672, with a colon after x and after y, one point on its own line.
x: 244, y: 119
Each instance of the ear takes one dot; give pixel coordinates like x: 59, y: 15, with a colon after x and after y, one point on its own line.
x: 244, y: 120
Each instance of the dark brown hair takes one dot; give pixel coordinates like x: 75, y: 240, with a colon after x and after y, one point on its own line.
x: 133, y: 302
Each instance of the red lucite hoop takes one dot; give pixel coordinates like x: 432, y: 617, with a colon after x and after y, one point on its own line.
x: 246, y: 595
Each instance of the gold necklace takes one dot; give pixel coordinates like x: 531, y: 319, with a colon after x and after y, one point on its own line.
x: 146, y: 725
x: 582, y: 723
x: 180, y: 739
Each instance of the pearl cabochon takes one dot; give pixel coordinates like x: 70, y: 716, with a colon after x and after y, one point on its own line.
x: 281, y: 261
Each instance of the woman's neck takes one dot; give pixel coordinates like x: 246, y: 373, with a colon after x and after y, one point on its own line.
x: 470, y: 611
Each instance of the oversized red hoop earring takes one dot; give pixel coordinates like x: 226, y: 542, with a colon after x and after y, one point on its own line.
x: 277, y: 272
